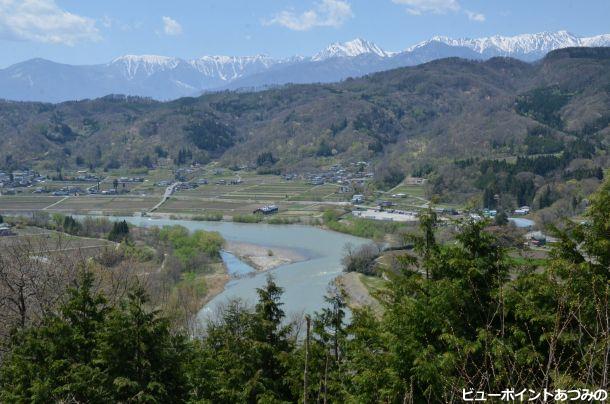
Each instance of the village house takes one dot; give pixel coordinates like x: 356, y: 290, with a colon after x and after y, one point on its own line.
x: 267, y: 210
x: 356, y: 199
x: 124, y: 180
x: 523, y: 210
x: 318, y: 180
x: 5, y: 230
x: 414, y: 181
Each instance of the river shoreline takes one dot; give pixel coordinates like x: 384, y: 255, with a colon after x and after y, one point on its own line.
x: 305, y: 259
x: 357, y: 294
x: 215, y: 284
x: 263, y: 258
x: 259, y: 257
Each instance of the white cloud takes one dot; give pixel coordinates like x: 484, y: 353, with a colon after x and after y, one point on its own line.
x: 171, y: 26
x: 417, y: 7
x: 472, y: 16
x: 328, y: 13
x: 43, y: 21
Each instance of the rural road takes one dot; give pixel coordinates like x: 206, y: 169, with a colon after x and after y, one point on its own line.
x: 56, y: 203
x: 169, y: 191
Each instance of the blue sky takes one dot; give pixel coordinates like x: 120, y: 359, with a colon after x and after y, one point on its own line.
x: 88, y: 32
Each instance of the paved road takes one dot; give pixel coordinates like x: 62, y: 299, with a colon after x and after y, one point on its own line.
x: 169, y: 191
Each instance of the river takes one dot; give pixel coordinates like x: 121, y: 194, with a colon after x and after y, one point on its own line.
x: 305, y: 283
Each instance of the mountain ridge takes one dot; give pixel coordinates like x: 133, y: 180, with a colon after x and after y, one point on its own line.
x: 532, y: 46
x: 166, y: 78
x: 450, y: 120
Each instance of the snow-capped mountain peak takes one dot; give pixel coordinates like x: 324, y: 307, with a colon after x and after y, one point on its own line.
x: 165, y: 78
x: 534, y: 45
x: 229, y: 68
x: 598, y: 40
x: 149, y: 59
x: 351, y: 48
x: 132, y: 65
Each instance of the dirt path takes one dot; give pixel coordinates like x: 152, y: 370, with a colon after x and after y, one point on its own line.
x: 56, y: 203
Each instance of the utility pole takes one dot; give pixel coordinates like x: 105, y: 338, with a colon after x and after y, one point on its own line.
x: 308, y: 320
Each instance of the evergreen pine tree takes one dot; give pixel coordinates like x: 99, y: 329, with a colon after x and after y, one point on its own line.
x: 119, y: 232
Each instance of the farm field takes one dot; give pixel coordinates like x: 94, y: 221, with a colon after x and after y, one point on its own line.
x: 28, y: 202
x: 227, y: 192
x: 105, y: 203
x: 412, y: 196
x: 410, y: 190
x: 326, y: 192
x: 180, y: 204
x: 76, y: 204
x: 188, y: 205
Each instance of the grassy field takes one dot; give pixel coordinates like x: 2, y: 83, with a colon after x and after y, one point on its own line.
x: 412, y: 196
x: 534, y: 257
x: 410, y: 190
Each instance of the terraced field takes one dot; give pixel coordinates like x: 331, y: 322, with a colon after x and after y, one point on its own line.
x: 326, y: 192
x: 178, y: 204
x: 16, y: 203
x: 106, y: 203
x: 295, y: 198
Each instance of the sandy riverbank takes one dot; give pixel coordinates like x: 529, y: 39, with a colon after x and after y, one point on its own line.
x: 254, y: 255
x: 215, y: 283
x: 357, y: 294
x: 263, y: 258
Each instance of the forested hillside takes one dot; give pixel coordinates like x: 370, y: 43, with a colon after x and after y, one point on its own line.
x: 423, y: 120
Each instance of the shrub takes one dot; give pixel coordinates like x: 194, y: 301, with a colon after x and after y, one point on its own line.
x: 241, y: 218
x: 193, y: 250
x: 208, y: 217
x: 361, y: 259
x: 283, y: 220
